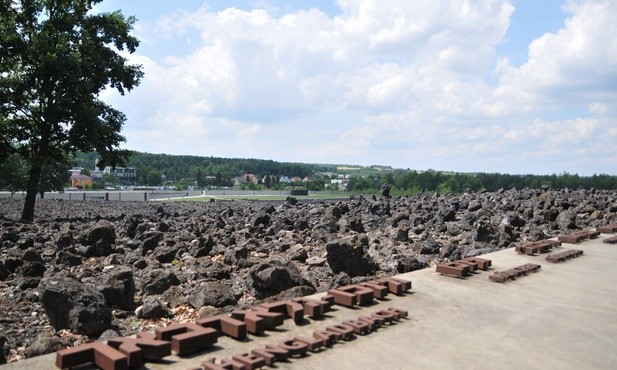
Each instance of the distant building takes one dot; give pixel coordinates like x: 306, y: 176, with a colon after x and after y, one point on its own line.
x: 284, y: 179
x: 123, y: 175
x: 96, y: 174
x: 80, y: 181
x: 340, y: 183
x: 247, y: 178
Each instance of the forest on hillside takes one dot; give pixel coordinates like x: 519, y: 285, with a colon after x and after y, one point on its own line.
x: 412, y: 182
x: 182, y: 171
x: 186, y: 169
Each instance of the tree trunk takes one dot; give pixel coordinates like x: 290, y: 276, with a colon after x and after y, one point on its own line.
x: 27, y: 214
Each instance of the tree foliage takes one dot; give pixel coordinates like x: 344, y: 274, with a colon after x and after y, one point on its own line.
x: 178, y: 167
x: 55, y: 176
x: 154, y: 178
x: 56, y: 56
x: 411, y: 182
x: 13, y: 173
x: 213, y: 171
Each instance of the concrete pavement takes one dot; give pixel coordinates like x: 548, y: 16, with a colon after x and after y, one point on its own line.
x: 563, y: 317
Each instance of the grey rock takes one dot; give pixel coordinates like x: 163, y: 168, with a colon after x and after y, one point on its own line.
x: 384, y: 191
x: 31, y: 255
x: 109, y: 334
x: 212, y: 293
x: 447, y: 215
x: 2, y: 350
x: 152, y: 308
x: 4, y: 273
x: 567, y: 220
x: 429, y: 246
x: 341, y: 279
x: 484, y: 233
x: 551, y: 215
x: 65, y: 240
x: 263, y: 219
x: 32, y: 269
x: 297, y: 253
x: 355, y: 224
x: 254, y: 247
x: 45, y: 342
x: 158, y: 281
x: 175, y: 296
x: 316, y: 261
x: 408, y: 262
x: 119, y: 288
x: 301, y: 224
x: 10, y: 234
x: 67, y: 258
x: 69, y: 304
x: 101, y: 236
x: 166, y: 254
x: 12, y: 264
x: 150, y: 240
x: 268, y: 279
x: 474, y: 206
x: 402, y: 233
x: 201, y: 246
x: 347, y: 255
x: 451, y: 252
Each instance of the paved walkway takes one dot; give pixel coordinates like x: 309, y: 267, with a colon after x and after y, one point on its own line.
x: 563, y: 317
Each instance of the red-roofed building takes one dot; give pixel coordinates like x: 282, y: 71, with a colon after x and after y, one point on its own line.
x: 80, y: 181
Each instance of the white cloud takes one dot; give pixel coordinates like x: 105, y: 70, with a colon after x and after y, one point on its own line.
x: 577, y: 64
x: 406, y: 83
x: 599, y: 108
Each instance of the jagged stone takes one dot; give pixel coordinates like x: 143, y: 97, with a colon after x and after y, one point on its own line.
x: 157, y: 281
x: 268, y: 279
x: 347, y: 255
x: 258, y: 250
x: 101, y: 236
x: 150, y: 240
x: 4, y: 273
x: 45, y: 342
x: 152, y: 308
x: 212, y: 293
x: 73, y: 305
x: 119, y: 288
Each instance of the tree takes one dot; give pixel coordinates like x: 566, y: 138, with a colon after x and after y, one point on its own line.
x: 13, y: 174
x: 54, y: 176
x: 5, y: 143
x: 200, y: 178
x: 107, y: 179
x: 56, y: 56
x: 154, y: 178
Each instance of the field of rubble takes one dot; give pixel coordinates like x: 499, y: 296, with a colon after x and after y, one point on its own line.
x: 94, y: 270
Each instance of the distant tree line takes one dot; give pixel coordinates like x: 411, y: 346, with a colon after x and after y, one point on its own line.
x: 209, y: 171
x: 14, y: 171
x: 411, y: 182
x: 205, y: 172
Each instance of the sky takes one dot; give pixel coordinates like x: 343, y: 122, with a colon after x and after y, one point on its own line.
x: 518, y: 86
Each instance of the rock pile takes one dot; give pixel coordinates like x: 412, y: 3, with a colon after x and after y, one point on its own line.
x: 85, y: 270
